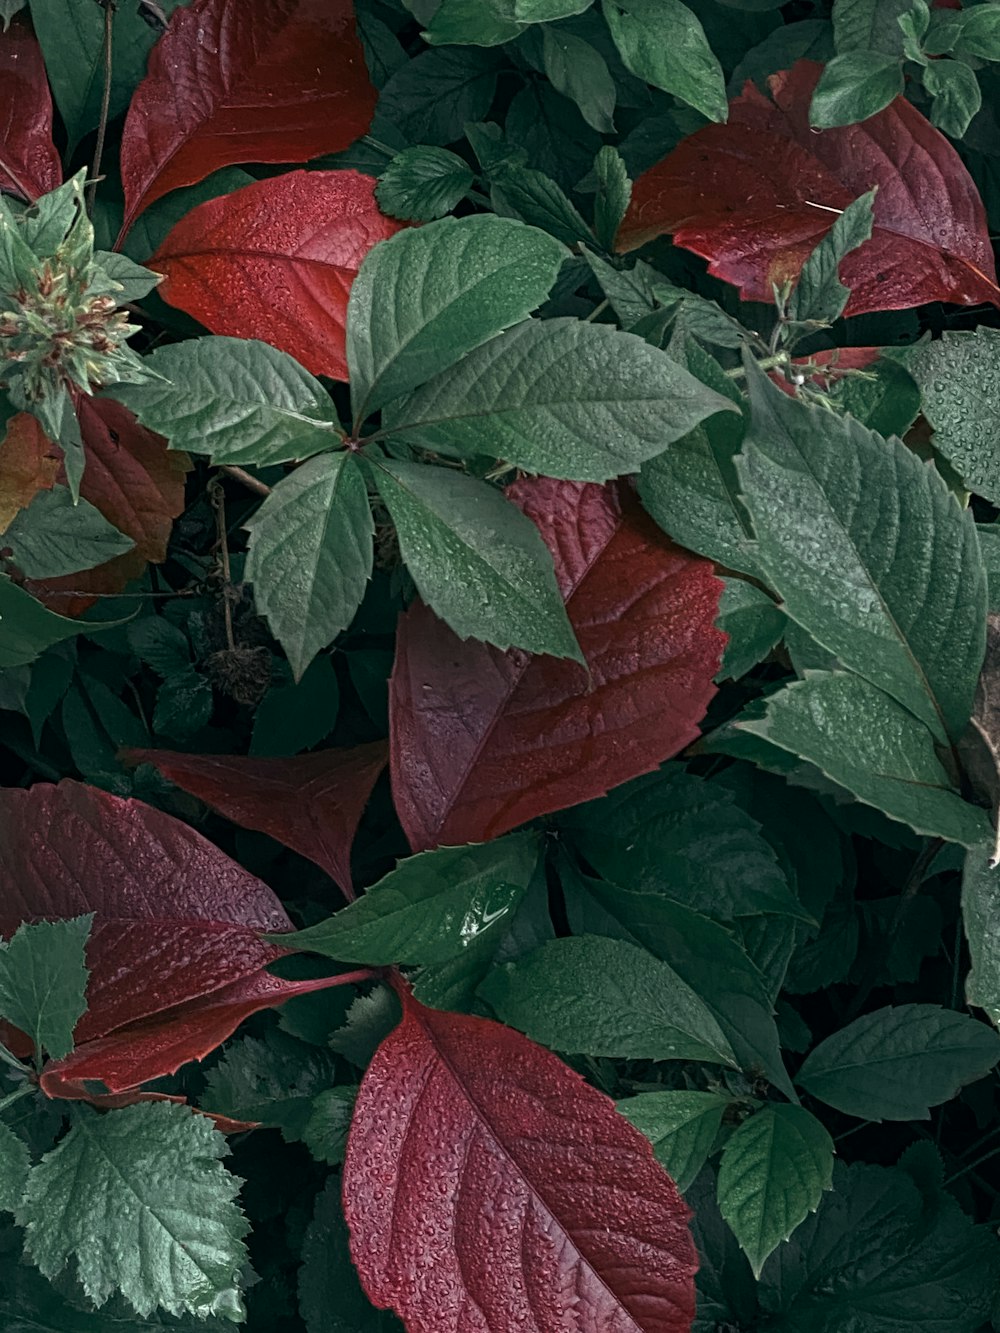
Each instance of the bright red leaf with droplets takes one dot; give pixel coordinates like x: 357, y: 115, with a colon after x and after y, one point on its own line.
x: 244, y: 81
x: 488, y: 1187
x: 29, y: 162
x: 138, y: 485
x: 312, y: 803
x: 276, y: 260
x: 175, y: 953
x: 483, y: 740
x: 754, y: 196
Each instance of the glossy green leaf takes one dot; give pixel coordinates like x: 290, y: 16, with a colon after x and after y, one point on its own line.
x: 423, y: 183
x: 43, y: 979
x: 855, y: 86
x: 476, y: 559
x: 682, y: 1127
x: 52, y: 536
x: 663, y: 43
x: 819, y: 295
x: 310, y: 554
x: 579, y: 71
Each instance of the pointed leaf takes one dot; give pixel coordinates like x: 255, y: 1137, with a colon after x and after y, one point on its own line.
x: 312, y: 803
x: 275, y: 261
x: 276, y: 83
x: 54, y: 536
x: 26, y: 115
x: 430, y: 295
x: 819, y: 294
x: 43, y: 977
x: 466, y: 760
x: 15, y: 1164
x: 27, y: 628
x: 663, y: 43
x: 681, y: 1126
x: 744, y: 196
x: 310, y: 554
x: 479, y: 1158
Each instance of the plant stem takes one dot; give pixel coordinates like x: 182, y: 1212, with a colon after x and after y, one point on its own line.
x: 102, y: 125
x: 239, y: 475
x: 219, y: 504
x: 598, y: 310
x: 972, y: 1166
x: 765, y: 363
x: 16, y: 1095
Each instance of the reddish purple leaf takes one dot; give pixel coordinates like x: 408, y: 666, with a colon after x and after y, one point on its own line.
x: 482, y: 741
x: 489, y: 1189
x: 29, y: 162
x: 276, y: 260
x: 754, y: 196
x: 243, y: 81
x: 312, y: 803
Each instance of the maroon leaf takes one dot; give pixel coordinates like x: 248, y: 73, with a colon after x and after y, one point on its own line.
x: 488, y: 1187
x: 276, y: 260
x: 483, y: 740
x: 243, y: 81
x: 29, y: 162
x: 754, y: 196
x: 312, y: 803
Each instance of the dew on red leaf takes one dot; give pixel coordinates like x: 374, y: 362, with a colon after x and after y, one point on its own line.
x: 26, y: 115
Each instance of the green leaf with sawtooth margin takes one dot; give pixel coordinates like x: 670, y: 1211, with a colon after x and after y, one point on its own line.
x: 423, y: 183
x: 325, y: 1132
x: 140, y: 1198
x: 310, y: 555
x: 853, y: 87
x: 682, y: 1126
x: 54, y: 536
x: 579, y: 71
x: 432, y: 907
x: 614, y: 191
x: 559, y: 397
x: 700, y: 951
x: 663, y: 43
x: 43, y: 981
x: 477, y: 561
x: 521, y: 192
x: 819, y: 294
x: 981, y: 919
x: 864, y: 741
x: 236, y: 399
x: 272, y: 1081
x: 896, y: 1063
x: 428, y: 295
x: 601, y: 997
x: 15, y: 1164
x: 869, y: 551
x: 754, y: 625
x: 676, y: 834
x: 773, y: 1172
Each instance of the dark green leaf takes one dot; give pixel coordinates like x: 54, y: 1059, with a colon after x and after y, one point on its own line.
x: 296, y: 716
x: 663, y: 43
x: 271, y: 1082
x: 979, y: 33
x: 869, y: 25
x: 430, y: 99
x: 981, y: 919
x: 423, y: 183
x: 854, y: 86
x: 682, y: 1127
x: 330, y: 1295
x: 521, y: 192
x: 470, y: 22
x: 14, y: 1166
x: 754, y: 625
x: 52, y: 536
x: 614, y: 190
x: 578, y: 71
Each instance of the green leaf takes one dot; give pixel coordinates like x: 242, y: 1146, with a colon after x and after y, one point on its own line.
x: 431, y: 98
x: 819, y: 295
x: 423, y: 183
x: 663, y: 43
x: 54, y: 536
x: 428, y: 295
x: 432, y: 907
x: 981, y: 919
x: 121, y: 277
x: 296, y: 716
x: 310, y: 554
x: 271, y: 1082
x: 559, y: 397
x: 184, y: 704
x: 614, y: 191
x: 325, y: 1132
x: 959, y: 379
x: 682, y: 1127
x: 370, y: 1019
x: 542, y: 11
x: 869, y: 551
x: 754, y: 625
x: 330, y: 1295
x: 853, y: 87
x: 885, y: 398
x: 536, y: 199
x: 896, y: 1063
x: 604, y: 997
x: 476, y: 559
x: 774, y: 1170
x: 471, y: 22
x: 869, y: 25
x: 864, y: 741
x: 579, y: 71
x: 141, y: 1200
x: 43, y: 980
x: 239, y: 400
x: 956, y: 93
x: 979, y: 33
x: 14, y: 1166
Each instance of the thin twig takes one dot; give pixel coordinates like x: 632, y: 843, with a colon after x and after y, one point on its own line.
x: 239, y: 475
x: 102, y: 125
x: 597, y: 310
x: 7, y: 170
x: 219, y: 504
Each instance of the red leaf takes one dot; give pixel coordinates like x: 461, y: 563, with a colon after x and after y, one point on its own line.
x: 243, y: 81
x: 489, y: 1188
x: 483, y: 740
x: 276, y: 260
x: 754, y: 196
x: 29, y: 463
x: 312, y: 803
x: 26, y: 148
x: 138, y: 485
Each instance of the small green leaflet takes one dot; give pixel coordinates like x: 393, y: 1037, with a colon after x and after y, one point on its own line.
x: 475, y: 558
x: 774, y: 1170
x: 54, y: 536
x: 863, y: 740
x: 428, y: 295
x: 469, y: 21
x: 869, y: 551
x: 663, y: 43
x: 978, y: 33
x: 121, y: 277
x: 559, y: 397
x: 432, y: 907
x: 14, y: 1166
x: 273, y: 1082
x: 956, y: 93
x: 423, y: 183
x: 682, y: 1127
x: 981, y: 918
x: 325, y: 1132
x: 754, y: 625
x: 140, y: 1198
x: 819, y: 295
x: 603, y: 997
x: 310, y: 555
x: 521, y: 192
x: 43, y: 980
x: 869, y: 25
x: 236, y: 399
x: 579, y: 71
x: 855, y: 86
x: 896, y: 1063
x: 614, y: 191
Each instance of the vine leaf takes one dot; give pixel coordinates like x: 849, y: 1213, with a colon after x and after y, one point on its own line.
x: 26, y: 114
